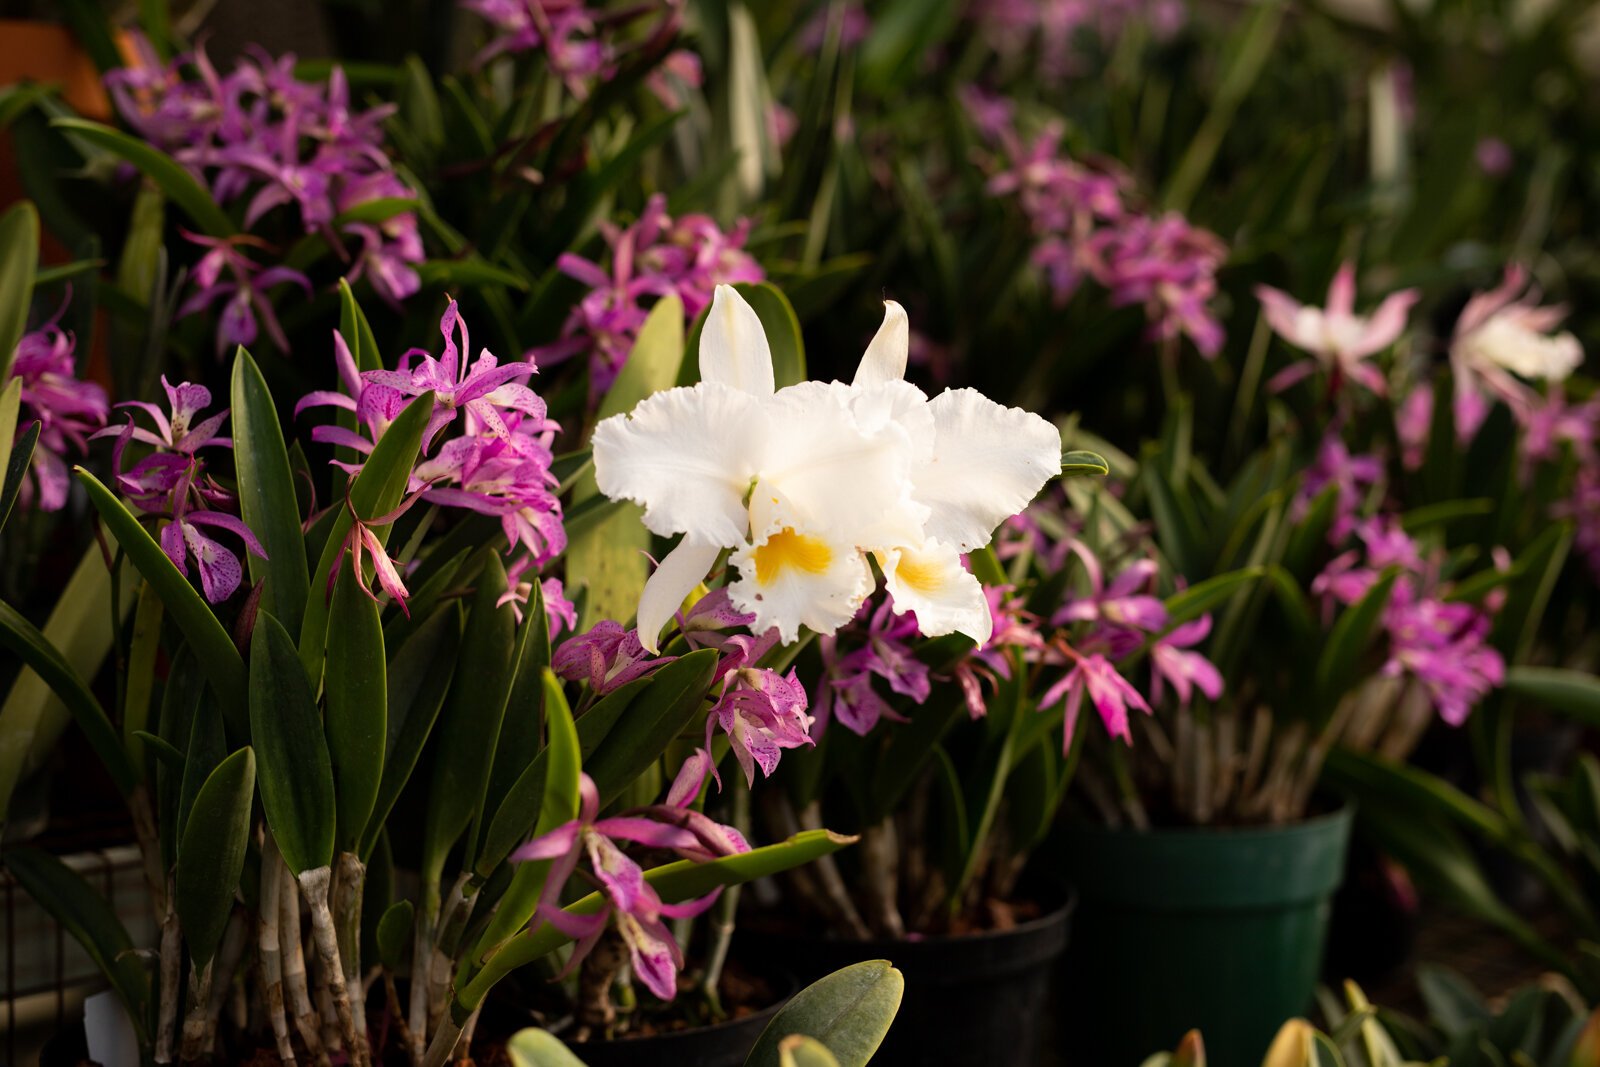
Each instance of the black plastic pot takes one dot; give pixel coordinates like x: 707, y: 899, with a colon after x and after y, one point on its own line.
x: 723, y: 1045
x: 975, y: 1000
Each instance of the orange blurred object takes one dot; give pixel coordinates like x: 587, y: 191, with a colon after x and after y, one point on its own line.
x: 46, y: 52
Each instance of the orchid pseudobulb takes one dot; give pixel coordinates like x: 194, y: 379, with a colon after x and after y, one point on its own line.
x: 802, y: 483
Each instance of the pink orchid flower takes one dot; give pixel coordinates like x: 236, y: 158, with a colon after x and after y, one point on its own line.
x: 1338, y: 340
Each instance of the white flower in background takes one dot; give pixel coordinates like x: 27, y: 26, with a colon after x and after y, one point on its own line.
x: 802, y: 482
x: 1505, y: 341
x: 1501, y: 336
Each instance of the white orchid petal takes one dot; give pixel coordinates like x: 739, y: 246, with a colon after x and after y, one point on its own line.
x: 988, y: 462
x: 894, y: 402
x: 930, y: 580
x: 833, y: 474
x: 792, y: 579
x: 733, y: 346
x: 687, y: 456
x: 674, y: 579
x: 885, y: 359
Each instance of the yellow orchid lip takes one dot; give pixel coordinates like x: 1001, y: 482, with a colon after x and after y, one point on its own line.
x: 787, y: 549
x: 923, y: 575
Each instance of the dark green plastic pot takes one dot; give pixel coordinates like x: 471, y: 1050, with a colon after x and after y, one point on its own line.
x: 1216, y: 929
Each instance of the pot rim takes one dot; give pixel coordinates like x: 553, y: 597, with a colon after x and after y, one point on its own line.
x: 1316, y: 824
x: 1057, y: 915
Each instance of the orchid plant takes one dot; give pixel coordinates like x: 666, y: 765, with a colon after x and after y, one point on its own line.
x: 339, y: 664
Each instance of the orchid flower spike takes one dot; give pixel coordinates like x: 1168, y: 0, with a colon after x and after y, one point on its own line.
x: 801, y: 483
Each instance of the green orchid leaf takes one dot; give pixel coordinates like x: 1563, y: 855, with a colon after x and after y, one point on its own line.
x: 206, y: 749
x: 909, y: 751
x: 15, y: 468
x: 849, y: 1012
x: 1575, y: 694
x: 469, y: 271
x: 356, y: 330
x: 1179, y: 530
x: 563, y: 760
x: 32, y: 717
x: 296, y: 772
x: 419, y: 105
x: 1443, y: 864
x: 1081, y: 463
x: 357, y: 706
x: 91, y: 27
x: 1353, y: 634
x: 169, y: 757
x: 34, y: 650
x: 139, y: 681
x: 10, y: 408
x: 211, y: 856
x: 213, y: 647
x: 372, y: 212
x: 661, y: 712
x: 1452, y: 1003
x: 673, y: 883
x: 394, y: 933
x: 180, y: 704
x: 540, y: 1048
x: 1195, y: 601
x: 84, y: 913
x: 1420, y: 520
x: 376, y: 491
x: 267, y: 500
x: 19, y: 253
x: 67, y: 272
x: 652, y: 363
x: 417, y: 680
x: 522, y: 730
x: 179, y: 185
x: 592, y: 514
x: 470, y: 721
x: 519, y: 808
x: 1410, y: 787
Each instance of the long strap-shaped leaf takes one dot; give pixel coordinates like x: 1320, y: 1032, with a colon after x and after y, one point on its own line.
x: 19, y: 251
x: 266, y: 494
x: 470, y: 724
x: 31, y: 646
x: 179, y: 185
x: 213, y: 648
x: 356, y: 693
x: 296, y: 773
x: 564, y: 768
x: 85, y: 915
x: 14, y: 468
x: 212, y: 855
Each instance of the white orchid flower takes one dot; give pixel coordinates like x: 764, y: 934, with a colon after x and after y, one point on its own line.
x: 801, y: 482
x: 975, y: 464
